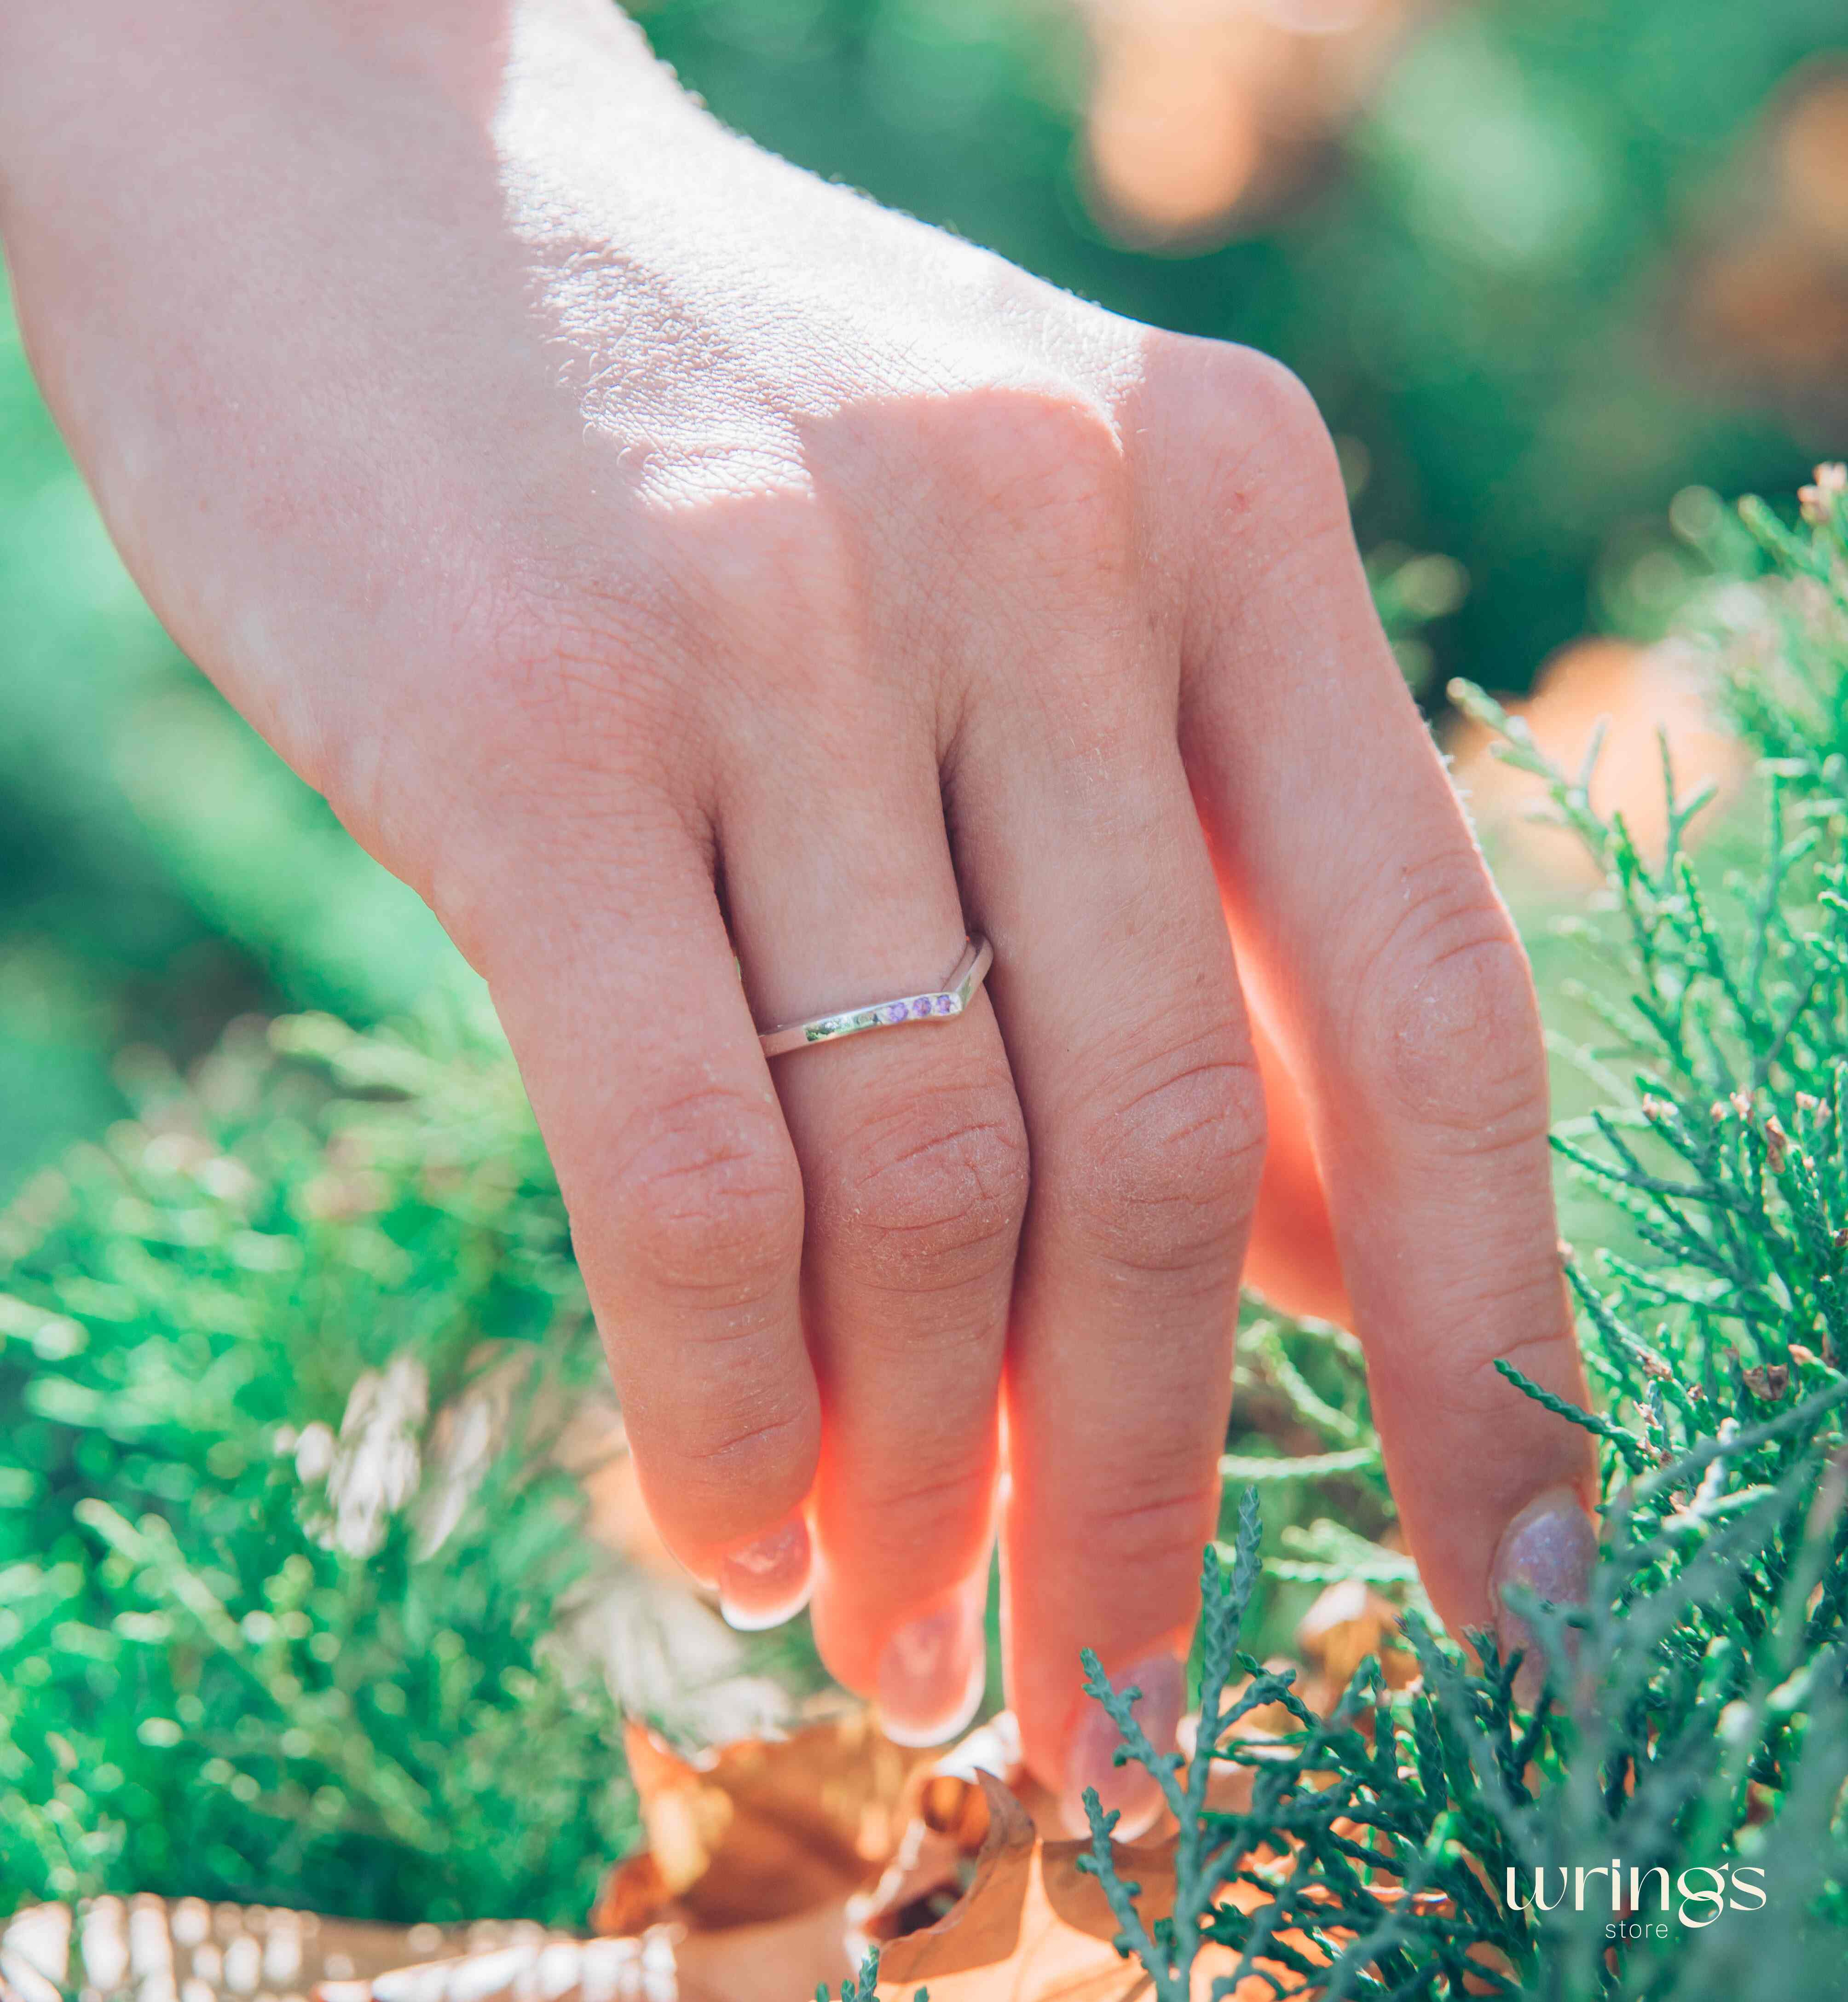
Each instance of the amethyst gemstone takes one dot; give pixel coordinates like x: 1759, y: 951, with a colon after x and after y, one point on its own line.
x: 893, y: 1011
x: 946, y: 1004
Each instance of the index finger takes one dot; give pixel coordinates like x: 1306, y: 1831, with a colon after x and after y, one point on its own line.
x: 1401, y: 996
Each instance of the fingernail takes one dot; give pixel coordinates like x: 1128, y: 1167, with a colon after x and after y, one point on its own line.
x: 1131, y: 1789
x: 933, y: 1670
x: 1550, y: 1548
x: 768, y: 1581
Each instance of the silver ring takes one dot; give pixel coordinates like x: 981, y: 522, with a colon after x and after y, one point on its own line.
x: 957, y: 991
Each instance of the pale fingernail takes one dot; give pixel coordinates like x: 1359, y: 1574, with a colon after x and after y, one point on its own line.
x: 933, y: 1671
x: 768, y: 1581
x: 1550, y: 1547
x: 1091, y: 1761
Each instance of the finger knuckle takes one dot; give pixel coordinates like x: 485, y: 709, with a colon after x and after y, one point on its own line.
x: 1266, y: 440
x: 710, y: 1197
x: 1156, y: 1525
x: 586, y: 666
x: 779, y: 584
x: 930, y: 1195
x: 737, y: 1446
x: 1046, y: 467
x: 1274, y: 401
x: 717, y: 1468
x: 553, y: 728
x: 1447, y: 1019
x: 919, y: 1504
x: 1166, y: 1167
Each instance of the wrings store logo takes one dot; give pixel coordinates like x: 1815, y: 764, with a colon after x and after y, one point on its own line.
x: 1696, y: 1897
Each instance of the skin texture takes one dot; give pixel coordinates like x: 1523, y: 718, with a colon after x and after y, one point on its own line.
x: 655, y: 554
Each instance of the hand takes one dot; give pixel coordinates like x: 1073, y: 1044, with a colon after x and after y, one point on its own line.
x: 657, y: 555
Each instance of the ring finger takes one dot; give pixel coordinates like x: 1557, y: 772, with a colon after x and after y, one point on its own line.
x: 914, y: 1164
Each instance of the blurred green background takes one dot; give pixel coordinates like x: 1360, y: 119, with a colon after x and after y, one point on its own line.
x: 1545, y: 263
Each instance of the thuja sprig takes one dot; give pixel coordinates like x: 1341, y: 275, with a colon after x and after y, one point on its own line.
x: 1168, y: 1946
x: 864, y: 1986
x: 1334, y: 1817
x: 1694, y: 1711
x: 1632, y: 1448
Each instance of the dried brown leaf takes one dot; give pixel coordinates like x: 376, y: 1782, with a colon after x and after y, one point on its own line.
x: 1349, y: 1621
x: 1768, y: 1383
x: 1034, y: 1927
x: 759, y: 1885
x: 762, y: 1829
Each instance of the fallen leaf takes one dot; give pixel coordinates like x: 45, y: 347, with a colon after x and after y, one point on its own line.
x: 761, y: 1829
x: 745, y: 1893
x: 1007, y: 1936
x: 946, y: 1830
x: 1768, y: 1383
x: 1349, y: 1621
x: 1029, y: 1925
x: 1034, y: 1927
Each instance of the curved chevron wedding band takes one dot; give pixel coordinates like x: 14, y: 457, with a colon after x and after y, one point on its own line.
x: 957, y: 991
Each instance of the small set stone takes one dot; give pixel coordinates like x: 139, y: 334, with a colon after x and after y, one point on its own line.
x: 918, y: 1006
x: 888, y: 1014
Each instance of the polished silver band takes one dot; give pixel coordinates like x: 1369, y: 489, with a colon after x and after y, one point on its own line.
x: 951, y: 999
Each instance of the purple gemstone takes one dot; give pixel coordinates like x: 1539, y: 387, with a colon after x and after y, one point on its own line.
x: 921, y: 1005
x: 946, y: 1004
x: 893, y: 1011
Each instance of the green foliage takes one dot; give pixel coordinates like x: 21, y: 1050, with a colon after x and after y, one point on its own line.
x: 265, y: 1634
x: 1168, y: 1946
x: 864, y: 1986
x: 1694, y: 1716
x: 1302, y: 1432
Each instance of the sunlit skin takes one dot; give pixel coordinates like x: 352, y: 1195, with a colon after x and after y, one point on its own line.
x: 657, y: 555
